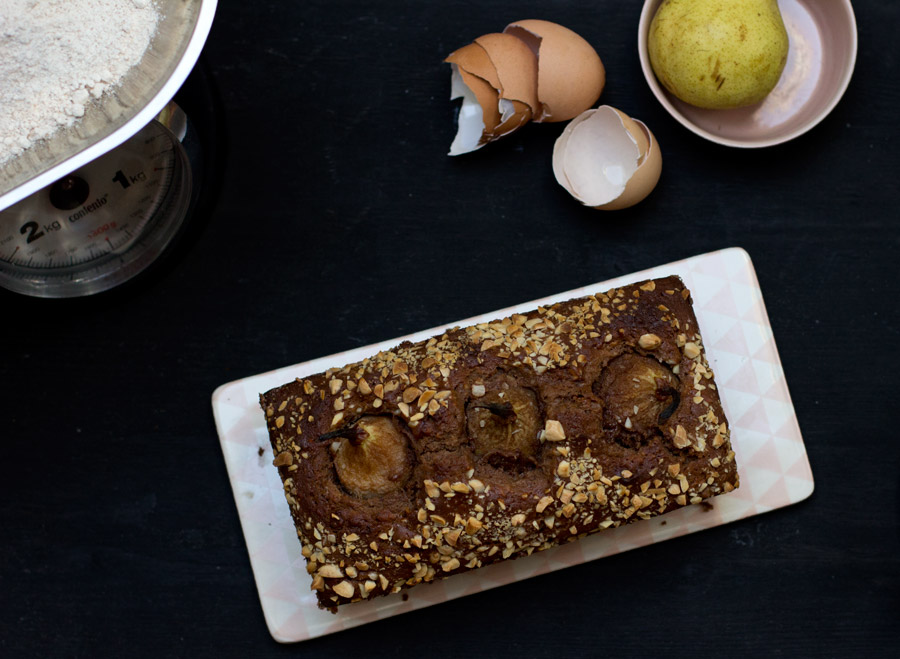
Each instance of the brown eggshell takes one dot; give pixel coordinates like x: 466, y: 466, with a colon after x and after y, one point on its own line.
x: 516, y: 67
x: 571, y: 75
x: 487, y: 99
x: 478, y: 113
x: 474, y: 59
x: 517, y: 115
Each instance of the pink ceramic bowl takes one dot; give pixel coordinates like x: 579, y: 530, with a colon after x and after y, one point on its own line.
x: 820, y: 62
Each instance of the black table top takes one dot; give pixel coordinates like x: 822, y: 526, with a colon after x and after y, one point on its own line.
x: 339, y: 221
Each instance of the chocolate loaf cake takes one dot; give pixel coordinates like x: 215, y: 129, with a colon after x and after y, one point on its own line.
x: 494, y: 441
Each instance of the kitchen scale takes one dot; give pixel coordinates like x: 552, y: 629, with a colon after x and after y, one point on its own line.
x: 107, y: 221
x: 94, y: 206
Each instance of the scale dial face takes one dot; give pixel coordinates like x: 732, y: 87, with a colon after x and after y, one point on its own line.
x: 100, y: 225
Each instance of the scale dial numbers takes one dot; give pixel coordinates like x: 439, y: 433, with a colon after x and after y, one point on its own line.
x: 100, y: 225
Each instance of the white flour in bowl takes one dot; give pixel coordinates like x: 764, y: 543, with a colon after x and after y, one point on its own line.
x: 57, y: 54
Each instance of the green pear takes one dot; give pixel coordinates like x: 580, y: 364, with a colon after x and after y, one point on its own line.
x: 718, y: 53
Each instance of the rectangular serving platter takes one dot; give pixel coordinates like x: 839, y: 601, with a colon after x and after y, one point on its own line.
x: 772, y: 461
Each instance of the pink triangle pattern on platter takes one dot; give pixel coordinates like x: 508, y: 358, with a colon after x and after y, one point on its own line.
x: 771, y: 456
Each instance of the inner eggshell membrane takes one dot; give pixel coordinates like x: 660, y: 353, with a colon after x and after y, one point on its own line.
x: 470, y: 123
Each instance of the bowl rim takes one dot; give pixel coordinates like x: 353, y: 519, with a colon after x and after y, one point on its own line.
x: 647, y: 13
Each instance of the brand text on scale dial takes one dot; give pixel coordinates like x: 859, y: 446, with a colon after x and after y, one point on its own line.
x: 89, y: 208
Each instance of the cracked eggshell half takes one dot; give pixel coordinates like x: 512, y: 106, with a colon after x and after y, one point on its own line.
x: 571, y: 75
x: 606, y: 159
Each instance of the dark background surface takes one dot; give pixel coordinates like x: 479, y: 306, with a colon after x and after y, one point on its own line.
x: 340, y: 222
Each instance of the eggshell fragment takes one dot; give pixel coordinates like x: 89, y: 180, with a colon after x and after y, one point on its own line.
x: 472, y: 130
x: 607, y: 160
x: 516, y: 67
x: 487, y: 99
x: 479, y: 112
x: 571, y: 75
x: 474, y: 59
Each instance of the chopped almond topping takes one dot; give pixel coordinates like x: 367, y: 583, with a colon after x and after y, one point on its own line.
x: 283, y: 459
x: 553, y: 431
x: 543, y: 503
x: 453, y: 536
x: 431, y: 489
x: 410, y: 394
x: 345, y: 589
x: 681, y: 438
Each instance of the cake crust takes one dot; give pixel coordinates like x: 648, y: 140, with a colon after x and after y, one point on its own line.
x: 504, y: 438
